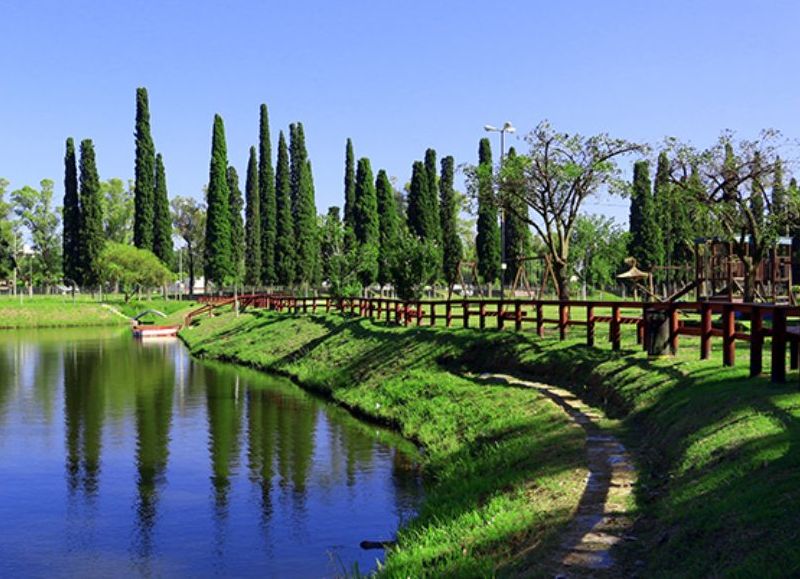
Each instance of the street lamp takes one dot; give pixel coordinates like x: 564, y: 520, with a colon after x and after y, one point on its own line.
x: 506, y: 128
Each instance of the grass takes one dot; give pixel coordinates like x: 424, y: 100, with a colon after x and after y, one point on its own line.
x: 506, y: 466
x: 717, y: 451
x: 62, y: 311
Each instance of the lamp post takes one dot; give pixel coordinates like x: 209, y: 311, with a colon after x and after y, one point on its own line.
x: 506, y: 128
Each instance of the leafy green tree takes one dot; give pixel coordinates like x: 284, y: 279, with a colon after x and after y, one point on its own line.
x: 422, y: 221
x: 218, y: 259
x: 554, y: 178
x: 34, y: 208
x: 236, y: 205
x: 131, y: 268
x: 451, y: 242
x: 267, y: 207
x: 189, y: 220
x: 117, y: 210
x: 646, y: 243
x: 365, y: 220
x: 415, y: 263
x: 349, y: 185
x: 389, y: 225
x: 7, y: 257
x: 252, y: 260
x: 144, y: 174
x: 303, y: 208
x: 284, y: 241
x: 71, y: 252
x: 517, y: 239
x: 487, y: 243
x: 162, y: 223
x: 600, y: 247
x: 674, y: 210
x: 92, y: 237
x: 340, y: 261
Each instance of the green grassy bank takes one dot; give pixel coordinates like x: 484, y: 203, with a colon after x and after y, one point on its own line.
x: 62, y: 311
x: 718, y: 452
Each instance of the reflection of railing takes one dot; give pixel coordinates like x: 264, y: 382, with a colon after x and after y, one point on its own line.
x: 532, y: 312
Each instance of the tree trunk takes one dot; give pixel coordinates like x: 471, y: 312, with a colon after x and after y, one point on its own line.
x: 749, y: 280
x: 562, y: 280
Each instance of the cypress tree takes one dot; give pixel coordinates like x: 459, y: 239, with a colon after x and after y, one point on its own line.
x: 487, y: 243
x: 72, y: 218
x: 417, y: 206
x: 388, y: 225
x: 144, y: 175
x: 304, y: 209
x: 518, y: 234
x: 646, y: 243
x: 729, y: 174
x: 236, y: 204
x: 218, y: 265
x: 162, y: 220
x: 432, y: 199
x: 91, y: 231
x: 365, y: 218
x: 451, y: 242
x: 666, y: 213
x: 284, y: 240
x: 349, y: 184
x: 778, y: 193
x: 757, y: 195
x: 266, y: 187
x: 252, y: 261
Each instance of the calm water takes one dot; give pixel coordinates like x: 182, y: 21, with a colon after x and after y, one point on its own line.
x: 125, y: 459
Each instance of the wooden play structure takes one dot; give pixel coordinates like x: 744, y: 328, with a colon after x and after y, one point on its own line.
x: 522, y: 279
x: 719, y: 272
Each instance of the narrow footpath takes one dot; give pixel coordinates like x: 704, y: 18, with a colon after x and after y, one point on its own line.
x: 602, y: 519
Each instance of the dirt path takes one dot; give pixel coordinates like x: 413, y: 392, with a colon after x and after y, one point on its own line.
x: 602, y: 519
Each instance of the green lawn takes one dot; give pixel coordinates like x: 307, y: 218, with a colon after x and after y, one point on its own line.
x: 717, y: 451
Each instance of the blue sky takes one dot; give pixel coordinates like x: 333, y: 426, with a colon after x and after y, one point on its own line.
x: 396, y: 77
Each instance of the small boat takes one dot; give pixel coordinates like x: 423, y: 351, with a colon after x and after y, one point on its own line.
x: 148, y: 331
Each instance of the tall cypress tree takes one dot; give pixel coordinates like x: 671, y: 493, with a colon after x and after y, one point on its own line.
x: 667, y: 214
x: 144, y: 175
x: 72, y: 218
x: 451, y: 242
x: 365, y: 220
x: 518, y: 234
x: 252, y: 261
x: 218, y: 264
x: 421, y: 219
x: 236, y: 204
x: 266, y: 187
x: 646, y: 243
x: 284, y: 240
x: 349, y: 184
x: 389, y: 225
x: 487, y: 242
x: 162, y: 220
x: 92, y: 239
x: 432, y: 199
x: 304, y: 209
x: 778, y: 193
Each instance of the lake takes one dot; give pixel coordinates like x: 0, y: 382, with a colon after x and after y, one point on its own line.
x: 123, y: 458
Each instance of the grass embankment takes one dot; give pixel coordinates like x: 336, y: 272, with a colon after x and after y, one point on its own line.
x: 718, y: 452
x: 62, y: 311
x: 507, y: 465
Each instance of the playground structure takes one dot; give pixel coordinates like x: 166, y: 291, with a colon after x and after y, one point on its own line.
x: 719, y: 272
x: 522, y: 279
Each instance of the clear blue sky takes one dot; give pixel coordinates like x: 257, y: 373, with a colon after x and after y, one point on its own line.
x: 396, y: 77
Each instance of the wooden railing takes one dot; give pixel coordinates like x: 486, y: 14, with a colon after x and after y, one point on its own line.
x: 783, y: 330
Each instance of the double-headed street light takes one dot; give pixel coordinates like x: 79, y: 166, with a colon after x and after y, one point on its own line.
x: 506, y: 128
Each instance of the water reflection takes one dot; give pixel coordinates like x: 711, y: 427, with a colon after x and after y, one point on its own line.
x: 174, y: 466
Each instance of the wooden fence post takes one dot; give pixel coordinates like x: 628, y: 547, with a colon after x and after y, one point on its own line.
x: 517, y: 316
x: 756, y: 342
x: 405, y: 313
x: 705, y: 330
x: 501, y: 320
x: 465, y: 313
x: 590, y: 325
x: 673, y: 330
x: 778, y: 373
x: 448, y: 313
x: 615, y: 329
x: 563, y: 320
x: 482, y: 314
x: 728, y: 341
x: 433, y: 313
x: 419, y: 313
x: 539, y: 319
